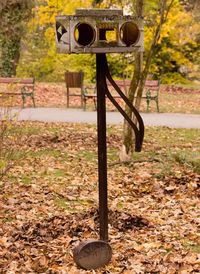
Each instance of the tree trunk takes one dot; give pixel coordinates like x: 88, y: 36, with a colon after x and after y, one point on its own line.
x: 128, y: 132
x: 13, y: 14
x: 10, y: 54
x: 140, y: 74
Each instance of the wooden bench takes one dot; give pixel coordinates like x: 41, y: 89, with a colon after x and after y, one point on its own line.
x: 74, y: 82
x: 151, y: 91
x: 24, y: 88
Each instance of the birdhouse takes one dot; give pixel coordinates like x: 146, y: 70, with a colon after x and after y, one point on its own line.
x: 99, y: 31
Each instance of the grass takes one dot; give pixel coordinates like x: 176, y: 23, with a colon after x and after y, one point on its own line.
x: 90, y: 156
x: 193, y: 246
x: 73, y: 205
x: 112, y: 154
x: 190, y: 159
x: 163, y: 146
x: 50, y: 197
x: 26, y: 180
x: 59, y: 173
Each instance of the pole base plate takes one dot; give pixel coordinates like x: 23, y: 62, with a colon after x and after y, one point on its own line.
x: 92, y: 254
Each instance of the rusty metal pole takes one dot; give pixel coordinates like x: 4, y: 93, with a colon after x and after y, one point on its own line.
x: 102, y: 149
x: 92, y: 254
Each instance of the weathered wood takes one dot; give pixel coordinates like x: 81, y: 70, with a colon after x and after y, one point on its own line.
x: 74, y: 80
x: 10, y: 80
x: 99, y: 12
x: 86, y: 32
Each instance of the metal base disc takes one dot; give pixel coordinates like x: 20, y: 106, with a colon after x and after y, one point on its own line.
x: 92, y: 254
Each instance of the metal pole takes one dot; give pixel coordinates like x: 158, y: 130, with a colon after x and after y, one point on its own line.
x: 102, y: 151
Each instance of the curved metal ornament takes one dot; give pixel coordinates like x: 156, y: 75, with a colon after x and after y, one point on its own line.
x: 139, y: 132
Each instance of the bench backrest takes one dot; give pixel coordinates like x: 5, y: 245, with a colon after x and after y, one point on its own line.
x: 152, y: 84
x: 121, y: 83
x: 74, y: 79
x: 10, y: 80
x: 125, y: 84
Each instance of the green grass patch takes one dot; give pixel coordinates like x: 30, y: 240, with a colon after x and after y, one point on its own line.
x: 26, y: 180
x: 90, y: 156
x: 164, y: 136
x: 75, y: 205
x: 59, y: 173
x: 189, y: 158
x: 191, y: 245
x: 38, y: 153
x: 112, y: 154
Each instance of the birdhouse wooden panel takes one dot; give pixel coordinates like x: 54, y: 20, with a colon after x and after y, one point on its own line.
x: 99, y: 31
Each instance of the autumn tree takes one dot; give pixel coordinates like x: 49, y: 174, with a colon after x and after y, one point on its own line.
x: 141, y: 72
x: 40, y: 47
x: 14, y: 14
x: 167, y: 46
x: 38, y: 56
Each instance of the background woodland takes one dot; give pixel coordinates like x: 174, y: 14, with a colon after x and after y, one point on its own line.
x: 27, y: 38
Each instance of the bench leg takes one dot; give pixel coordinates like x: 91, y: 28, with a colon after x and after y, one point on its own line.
x: 23, y: 101
x: 67, y: 100
x: 84, y: 103
x: 33, y: 99
x: 157, y: 105
x: 148, y: 104
x: 95, y: 103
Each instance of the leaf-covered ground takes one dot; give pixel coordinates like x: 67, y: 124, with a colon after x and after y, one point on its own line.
x: 49, y: 201
x: 171, y: 99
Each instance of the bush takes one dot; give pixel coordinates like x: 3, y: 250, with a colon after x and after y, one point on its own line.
x: 173, y: 78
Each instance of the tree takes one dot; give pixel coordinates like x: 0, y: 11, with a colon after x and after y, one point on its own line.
x: 40, y: 47
x: 38, y: 55
x: 190, y: 4
x: 176, y: 51
x: 140, y: 74
x: 128, y: 132
x: 158, y: 12
x: 96, y: 2
x: 13, y: 15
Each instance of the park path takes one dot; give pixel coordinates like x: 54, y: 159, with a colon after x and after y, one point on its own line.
x: 173, y: 120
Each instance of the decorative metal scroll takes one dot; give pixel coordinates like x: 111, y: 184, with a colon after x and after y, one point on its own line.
x: 139, y: 131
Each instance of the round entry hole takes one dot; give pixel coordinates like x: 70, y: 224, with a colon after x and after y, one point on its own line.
x: 129, y: 33
x: 84, y: 34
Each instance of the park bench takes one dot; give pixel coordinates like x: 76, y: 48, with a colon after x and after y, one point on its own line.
x: 75, y: 88
x: 151, y: 91
x: 74, y: 85
x: 18, y: 87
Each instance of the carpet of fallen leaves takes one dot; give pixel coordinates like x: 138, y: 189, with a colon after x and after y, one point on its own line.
x: 171, y: 99
x: 49, y: 201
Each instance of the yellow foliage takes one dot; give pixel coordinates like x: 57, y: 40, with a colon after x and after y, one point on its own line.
x: 46, y: 13
x: 180, y: 27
